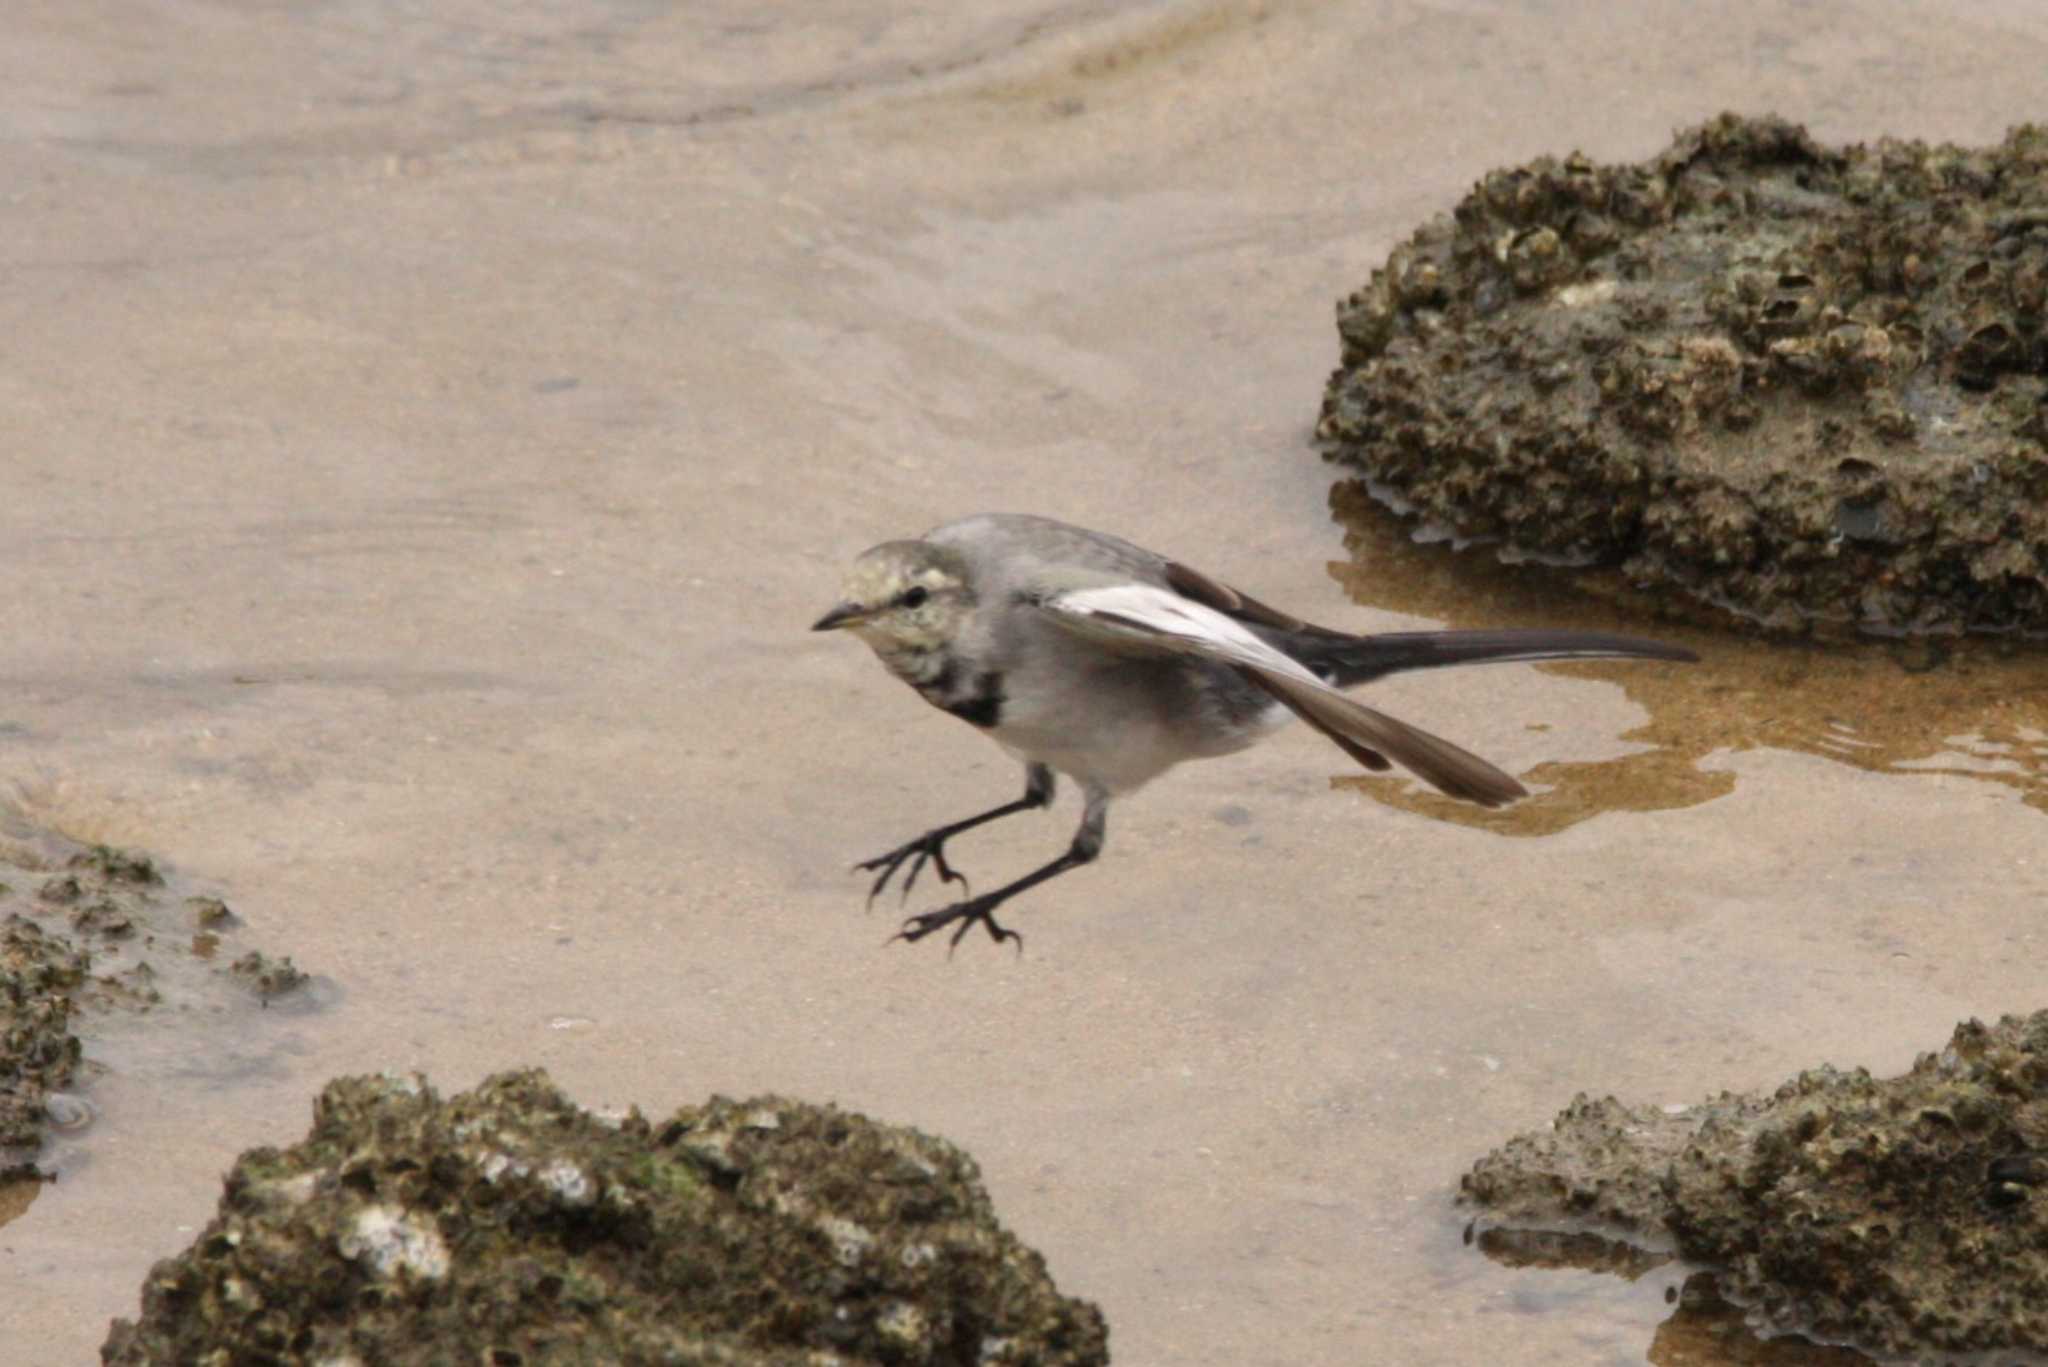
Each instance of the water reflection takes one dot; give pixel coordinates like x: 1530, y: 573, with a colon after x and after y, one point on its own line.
x: 1707, y: 1329
x: 1975, y: 707
x: 1704, y: 1329
x: 17, y: 1194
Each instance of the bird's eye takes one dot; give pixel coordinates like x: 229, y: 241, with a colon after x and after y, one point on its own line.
x: 914, y: 597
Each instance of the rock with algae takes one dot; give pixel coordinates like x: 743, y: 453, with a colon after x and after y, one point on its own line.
x: 506, y: 1226
x: 93, y: 936
x: 39, y: 1054
x: 1908, y: 1214
x: 1802, y: 382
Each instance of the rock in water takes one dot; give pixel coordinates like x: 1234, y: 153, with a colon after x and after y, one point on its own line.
x: 1908, y: 1215
x: 1800, y: 382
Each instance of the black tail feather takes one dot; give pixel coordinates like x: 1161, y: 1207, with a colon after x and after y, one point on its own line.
x: 1351, y: 660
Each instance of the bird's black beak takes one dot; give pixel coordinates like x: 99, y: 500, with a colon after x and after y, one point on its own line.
x: 843, y: 614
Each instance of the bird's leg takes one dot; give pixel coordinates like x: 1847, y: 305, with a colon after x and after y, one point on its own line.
x: 930, y: 848
x: 1087, y: 844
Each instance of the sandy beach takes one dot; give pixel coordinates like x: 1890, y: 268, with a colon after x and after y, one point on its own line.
x: 431, y: 430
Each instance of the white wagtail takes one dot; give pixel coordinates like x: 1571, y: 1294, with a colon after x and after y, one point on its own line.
x: 1082, y: 654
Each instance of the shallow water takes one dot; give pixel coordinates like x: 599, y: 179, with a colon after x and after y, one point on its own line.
x: 436, y: 426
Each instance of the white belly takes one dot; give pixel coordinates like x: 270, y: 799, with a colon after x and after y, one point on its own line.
x: 1116, y: 728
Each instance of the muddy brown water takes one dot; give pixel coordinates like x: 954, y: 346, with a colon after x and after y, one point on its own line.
x: 432, y: 428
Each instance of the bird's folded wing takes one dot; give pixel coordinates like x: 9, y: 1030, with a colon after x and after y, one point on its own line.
x: 1143, y: 618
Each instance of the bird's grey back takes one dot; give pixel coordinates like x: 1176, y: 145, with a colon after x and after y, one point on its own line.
x: 1007, y: 551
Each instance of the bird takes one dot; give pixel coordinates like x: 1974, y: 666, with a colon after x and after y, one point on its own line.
x: 1084, y: 655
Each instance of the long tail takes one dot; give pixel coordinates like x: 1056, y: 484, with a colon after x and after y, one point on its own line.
x: 1370, y: 736
x: 1345, y: 661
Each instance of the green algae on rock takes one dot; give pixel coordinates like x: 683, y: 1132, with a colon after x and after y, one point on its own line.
x: 505, y: 1225
x: 1908, y: 1214
x: 1803, y: 383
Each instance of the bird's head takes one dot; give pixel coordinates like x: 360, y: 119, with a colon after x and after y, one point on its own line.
x: 903, y: 598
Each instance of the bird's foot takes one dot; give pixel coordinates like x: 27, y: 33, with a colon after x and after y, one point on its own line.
x: 929, y: 848
x: 963, y: 917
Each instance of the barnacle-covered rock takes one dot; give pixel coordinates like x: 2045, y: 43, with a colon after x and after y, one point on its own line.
x: 92, y: 935
x: 505, y: 1225
x: 39, y: 1053
x: 1806, y: 383
x: 1907, y: 1214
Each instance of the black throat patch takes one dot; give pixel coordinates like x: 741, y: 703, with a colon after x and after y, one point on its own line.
x: 977, y: 699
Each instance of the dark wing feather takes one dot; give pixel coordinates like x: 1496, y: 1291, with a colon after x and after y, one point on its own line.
x: 1363, y: 732
x: 1189, y: 582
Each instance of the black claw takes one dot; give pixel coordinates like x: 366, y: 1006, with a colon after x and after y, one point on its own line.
x: 937, y: 859
x: 929, y: 848
x: 967, y: 914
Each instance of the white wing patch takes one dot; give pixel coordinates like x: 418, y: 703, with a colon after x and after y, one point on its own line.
x: 1145, y: 618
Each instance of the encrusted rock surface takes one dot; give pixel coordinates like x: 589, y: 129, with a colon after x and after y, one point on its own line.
x: 506, y: 1226
x: 39, y: 1054
x: 52, y: 920
x: 92, y: 932
x: 1800, y: 382
x: 1908, y: 1214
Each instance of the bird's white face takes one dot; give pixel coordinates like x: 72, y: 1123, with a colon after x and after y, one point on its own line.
x: 904, y: 598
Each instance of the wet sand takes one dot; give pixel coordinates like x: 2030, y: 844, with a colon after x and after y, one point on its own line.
x: 433, y: 429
